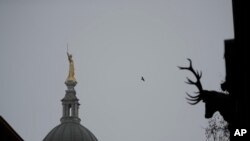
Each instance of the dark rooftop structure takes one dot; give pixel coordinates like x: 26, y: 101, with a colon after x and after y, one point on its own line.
x: 7, y: 133
x: 236, y: 69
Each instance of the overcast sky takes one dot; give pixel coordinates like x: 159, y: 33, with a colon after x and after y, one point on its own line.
x: 114, y: 43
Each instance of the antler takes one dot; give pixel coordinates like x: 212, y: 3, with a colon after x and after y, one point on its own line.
x: 194, y: 99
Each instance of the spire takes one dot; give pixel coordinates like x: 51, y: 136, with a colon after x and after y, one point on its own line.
x: 70, y: 101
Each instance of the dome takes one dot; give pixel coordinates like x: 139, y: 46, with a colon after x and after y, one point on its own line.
x: 70, y: 131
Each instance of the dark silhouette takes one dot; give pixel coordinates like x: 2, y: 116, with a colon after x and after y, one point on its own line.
x: 7, y: 133
x: 234, y: 106
x: 214, y: 101
x: 237, y: 73
x: 142, y: 78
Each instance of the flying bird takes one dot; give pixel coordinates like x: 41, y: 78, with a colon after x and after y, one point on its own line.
x: 142, y: 78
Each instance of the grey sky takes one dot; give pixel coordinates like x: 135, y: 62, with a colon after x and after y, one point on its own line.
x: 114, y: 43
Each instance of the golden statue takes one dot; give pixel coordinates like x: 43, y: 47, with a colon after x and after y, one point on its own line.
x: 71, y: 76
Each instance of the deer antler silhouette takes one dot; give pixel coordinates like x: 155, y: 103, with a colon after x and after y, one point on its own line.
x: 214, y: 101
x: 194, y: 99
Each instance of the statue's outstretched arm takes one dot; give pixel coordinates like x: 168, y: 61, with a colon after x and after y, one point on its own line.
x: 69, y: 57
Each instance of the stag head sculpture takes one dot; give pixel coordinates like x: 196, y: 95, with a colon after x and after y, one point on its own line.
x: 214, y: 101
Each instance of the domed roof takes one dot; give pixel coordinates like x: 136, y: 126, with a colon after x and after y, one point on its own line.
x: 70, y: 131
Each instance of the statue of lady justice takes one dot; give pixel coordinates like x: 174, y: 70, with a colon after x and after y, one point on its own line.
x: 71, y: 76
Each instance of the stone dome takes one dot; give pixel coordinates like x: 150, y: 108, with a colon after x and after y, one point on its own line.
x: 70, y: 131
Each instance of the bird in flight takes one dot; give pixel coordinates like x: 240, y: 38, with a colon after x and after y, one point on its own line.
x: 142, y: 78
